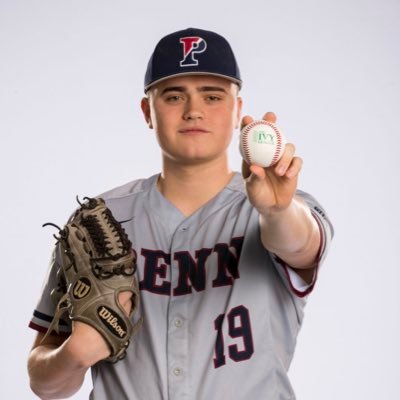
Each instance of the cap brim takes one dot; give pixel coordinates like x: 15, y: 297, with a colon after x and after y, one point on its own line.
x: 164, y: 78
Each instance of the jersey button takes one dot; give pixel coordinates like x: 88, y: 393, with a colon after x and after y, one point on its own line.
x: 178, y: 323
x: 177, y: 371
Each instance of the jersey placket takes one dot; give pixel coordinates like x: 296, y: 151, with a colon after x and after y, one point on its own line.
x: 178, y: 326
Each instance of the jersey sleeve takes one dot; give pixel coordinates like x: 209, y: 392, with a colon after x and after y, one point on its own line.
x: 44, y: 311
x: 293, y: 281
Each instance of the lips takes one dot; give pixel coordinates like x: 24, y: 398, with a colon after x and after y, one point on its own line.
x: 193, y: 131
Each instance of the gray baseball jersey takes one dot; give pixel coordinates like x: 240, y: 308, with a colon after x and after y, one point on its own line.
x: 221, y: 314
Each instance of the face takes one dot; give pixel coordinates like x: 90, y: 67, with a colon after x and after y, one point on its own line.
x: 193, y: 117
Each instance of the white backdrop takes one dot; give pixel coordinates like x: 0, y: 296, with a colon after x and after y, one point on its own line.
x: 71, y: 77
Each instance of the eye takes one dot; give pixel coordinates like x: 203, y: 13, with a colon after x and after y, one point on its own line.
x: 212, y: 98
x: 173, y: 98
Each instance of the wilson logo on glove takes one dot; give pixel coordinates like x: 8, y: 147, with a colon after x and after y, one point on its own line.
x: 81, y: 288
x: 112, y: 321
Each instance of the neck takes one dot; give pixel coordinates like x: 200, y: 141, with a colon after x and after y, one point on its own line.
x: 189, y: 187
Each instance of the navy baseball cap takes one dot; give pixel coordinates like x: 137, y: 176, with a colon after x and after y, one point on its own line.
x: 192, y: 52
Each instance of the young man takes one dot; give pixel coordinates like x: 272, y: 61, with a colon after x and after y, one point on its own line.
x: 224, y: 260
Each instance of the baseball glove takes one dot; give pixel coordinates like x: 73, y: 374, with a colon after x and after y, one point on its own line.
x: 98, y: 263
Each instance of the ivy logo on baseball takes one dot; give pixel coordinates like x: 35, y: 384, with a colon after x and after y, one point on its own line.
x: 261, y: 143
x: 261, y: 137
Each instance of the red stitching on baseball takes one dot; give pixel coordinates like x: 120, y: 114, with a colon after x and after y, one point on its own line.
x: 246, y: 130
x: 245, y: 135
x: 278, y: 148
x: 245, y: 144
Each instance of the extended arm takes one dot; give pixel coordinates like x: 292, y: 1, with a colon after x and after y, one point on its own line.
x: 287, y: 226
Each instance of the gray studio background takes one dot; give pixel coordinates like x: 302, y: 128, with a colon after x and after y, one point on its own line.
x: 71, y: 77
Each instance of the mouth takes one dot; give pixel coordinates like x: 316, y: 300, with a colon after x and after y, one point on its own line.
x: 193, y: 131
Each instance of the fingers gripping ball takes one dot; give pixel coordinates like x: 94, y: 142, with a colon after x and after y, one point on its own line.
x: 98, y: 263
x: 261, y: 143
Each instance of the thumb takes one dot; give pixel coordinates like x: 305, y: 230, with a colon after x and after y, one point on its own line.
x: 257, y: 173
x: 252, y: 173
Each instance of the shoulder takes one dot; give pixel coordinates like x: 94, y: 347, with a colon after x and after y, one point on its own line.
x: 131, y: 188
x: 126, y: 200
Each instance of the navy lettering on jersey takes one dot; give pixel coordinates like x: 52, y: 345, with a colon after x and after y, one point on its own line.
x: 240, y: 330
x: 191, y: 270
x: 154, y: 268
x: 228, y: 262
x: 219, y: 359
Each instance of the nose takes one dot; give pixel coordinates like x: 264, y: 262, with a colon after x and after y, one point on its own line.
x: 193, y: 110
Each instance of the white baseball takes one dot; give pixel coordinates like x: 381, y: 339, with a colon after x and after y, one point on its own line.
x: 261, y: 143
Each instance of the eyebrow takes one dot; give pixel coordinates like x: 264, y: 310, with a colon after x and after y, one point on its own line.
x: 200, y: 89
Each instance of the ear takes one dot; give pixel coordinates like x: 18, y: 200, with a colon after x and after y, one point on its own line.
x: 238, y: 111
x: 145, y: 106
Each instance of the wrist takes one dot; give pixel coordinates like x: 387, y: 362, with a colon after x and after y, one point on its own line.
x: 275, y: 213
x: 292, y: 234
x: 85, y: 346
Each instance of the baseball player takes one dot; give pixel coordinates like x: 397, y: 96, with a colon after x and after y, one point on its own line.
x: 225, y: 260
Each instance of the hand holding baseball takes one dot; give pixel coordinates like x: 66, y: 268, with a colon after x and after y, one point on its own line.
x: 271, y: 189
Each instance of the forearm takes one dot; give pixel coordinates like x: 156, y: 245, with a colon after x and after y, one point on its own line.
x: 54, y: 373
x: 292, y: 234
